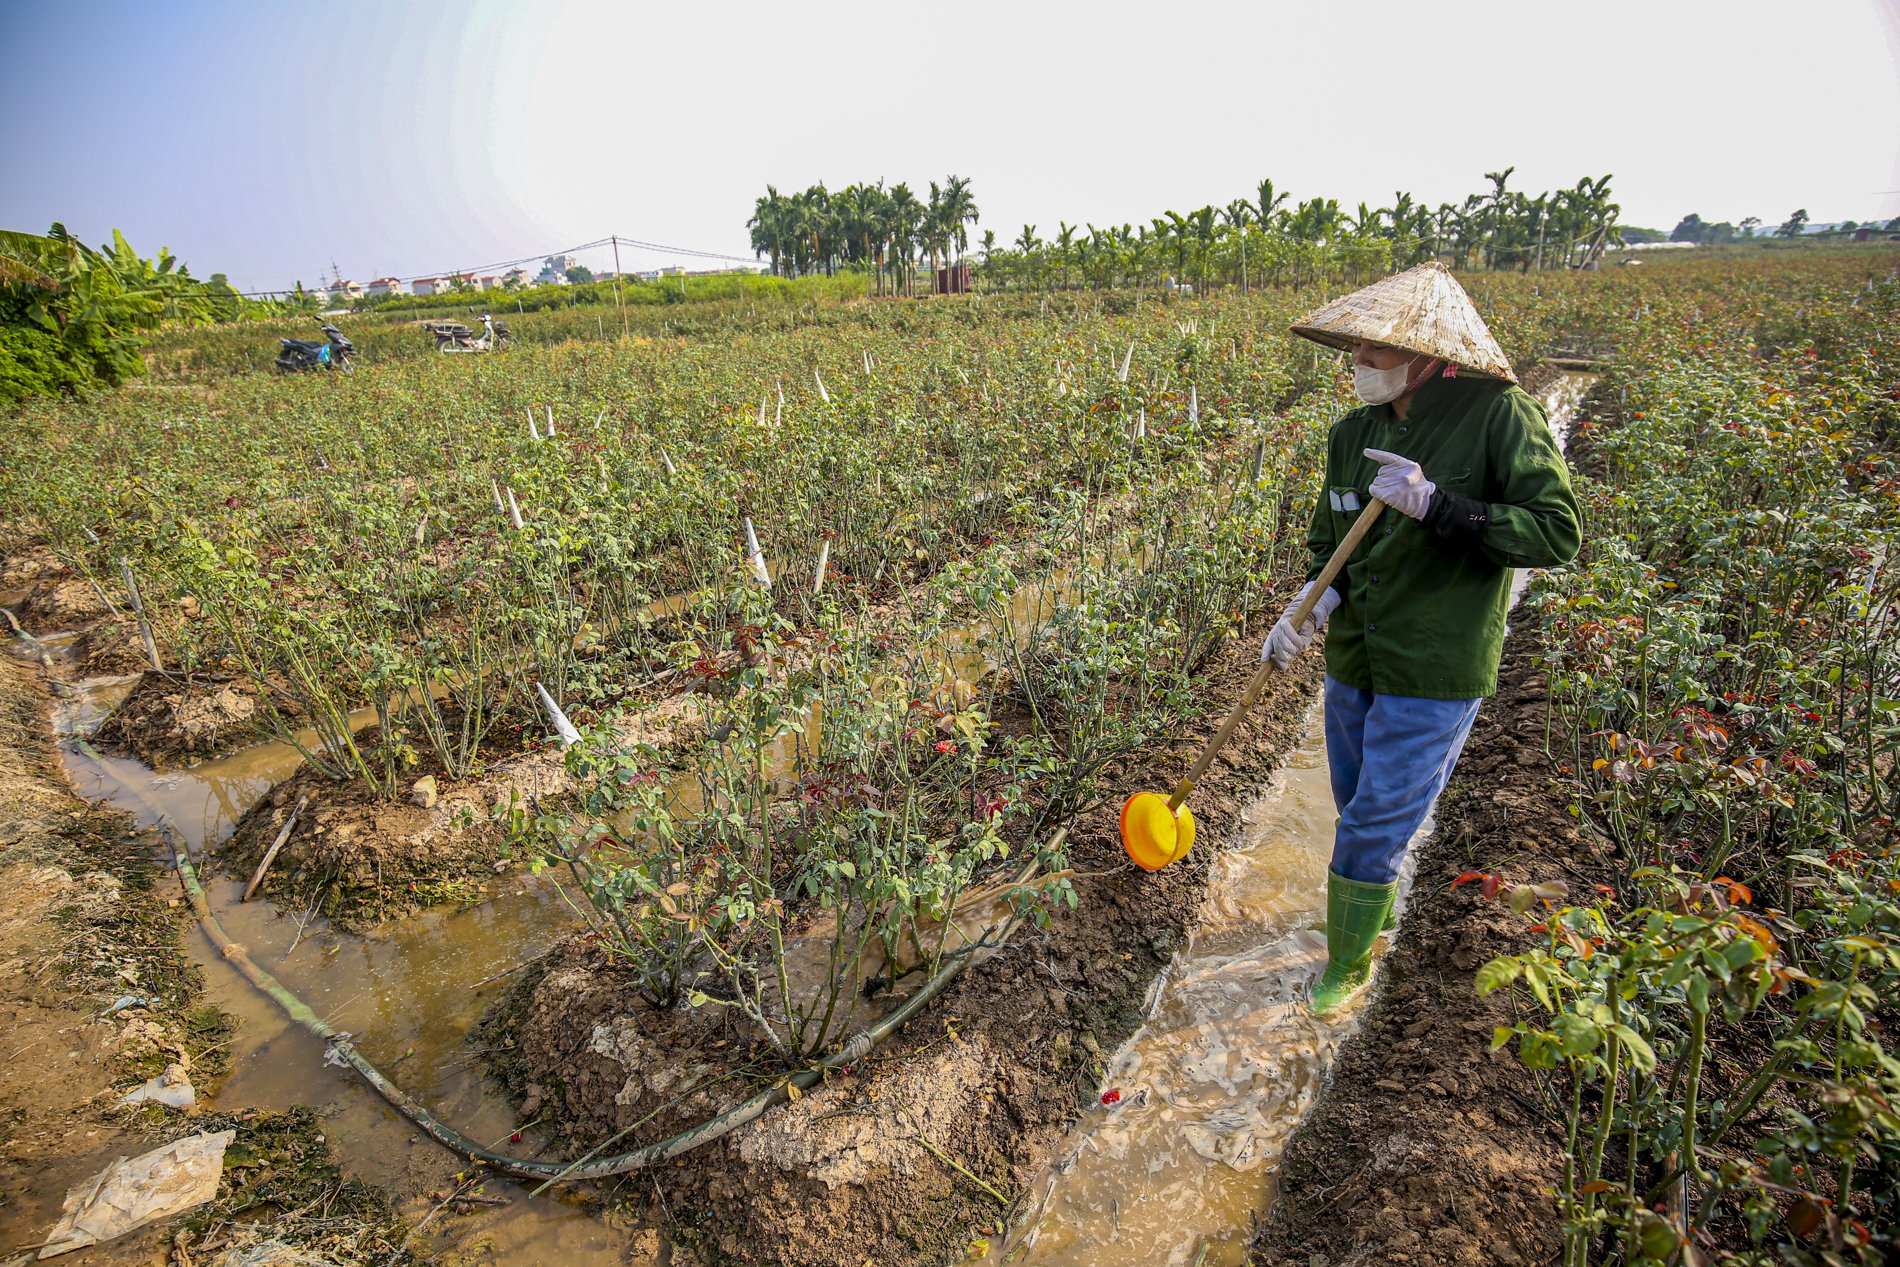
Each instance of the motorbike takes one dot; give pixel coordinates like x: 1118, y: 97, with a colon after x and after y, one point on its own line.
x: 453, y: 336
x: 336, y: 352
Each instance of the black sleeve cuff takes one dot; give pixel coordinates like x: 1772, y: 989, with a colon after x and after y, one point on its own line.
x: 1457, y: 518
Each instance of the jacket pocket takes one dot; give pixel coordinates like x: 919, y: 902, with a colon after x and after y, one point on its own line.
x: 1461, y: 480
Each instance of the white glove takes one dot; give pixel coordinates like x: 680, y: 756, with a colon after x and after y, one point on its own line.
x: 1400, y: 484
x: 1284, y: 642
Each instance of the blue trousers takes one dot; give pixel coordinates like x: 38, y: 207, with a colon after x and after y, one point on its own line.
x: 1389, y: 756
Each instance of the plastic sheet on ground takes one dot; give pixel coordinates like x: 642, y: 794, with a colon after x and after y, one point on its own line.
x: 132, y: 1192
x: 271, y: 1253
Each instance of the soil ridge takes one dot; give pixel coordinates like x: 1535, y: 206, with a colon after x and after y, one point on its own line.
x: 992, y: 1076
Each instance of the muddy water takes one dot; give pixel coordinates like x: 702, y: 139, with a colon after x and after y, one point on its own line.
x: 408, y: 993
x: 1174, y: 1173
x: 1223, y: 1069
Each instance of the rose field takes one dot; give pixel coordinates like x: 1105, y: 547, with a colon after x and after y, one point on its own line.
x: 650, y: 795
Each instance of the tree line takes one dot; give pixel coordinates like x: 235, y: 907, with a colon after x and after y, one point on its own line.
x: 1263, y: 238
x: 886, y: 232
x: 1693, y: 228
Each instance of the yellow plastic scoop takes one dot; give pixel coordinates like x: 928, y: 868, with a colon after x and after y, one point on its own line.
x: 1157, y: 829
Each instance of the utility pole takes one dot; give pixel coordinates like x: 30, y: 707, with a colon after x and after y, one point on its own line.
x: 617, y: 303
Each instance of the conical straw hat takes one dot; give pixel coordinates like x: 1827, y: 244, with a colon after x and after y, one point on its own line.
x: 1423, y: 309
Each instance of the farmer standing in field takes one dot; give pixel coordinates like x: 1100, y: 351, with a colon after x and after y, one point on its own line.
x: 1475, y: 486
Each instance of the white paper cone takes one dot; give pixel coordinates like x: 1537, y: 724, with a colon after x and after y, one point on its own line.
x: 756, y: 556
x: 558, y: 719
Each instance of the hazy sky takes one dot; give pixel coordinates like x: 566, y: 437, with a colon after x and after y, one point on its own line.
x: 265, y: 140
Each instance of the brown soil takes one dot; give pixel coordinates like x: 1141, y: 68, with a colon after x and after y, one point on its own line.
x: 24, y: 568
x: 359, y: 860
x: 110, y: 648
x: 60, y: 604
x: 1428, y: 1146
x: 991, y: 1075
x: 167, y: 721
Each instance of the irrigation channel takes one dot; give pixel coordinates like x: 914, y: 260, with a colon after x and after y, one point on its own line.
x: 1173, y: 1173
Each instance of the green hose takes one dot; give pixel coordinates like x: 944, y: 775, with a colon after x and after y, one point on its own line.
x: 706, y: 1132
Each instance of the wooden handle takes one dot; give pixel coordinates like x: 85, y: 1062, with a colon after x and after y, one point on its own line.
x: 1258, y: 682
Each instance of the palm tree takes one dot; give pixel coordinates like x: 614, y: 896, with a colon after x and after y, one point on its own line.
x: 902, y: 216
x: 1065, y: 247
x: 1173, y: 226
x: 1202, y: 223
x: 1495, y: 208
x: 1595, y: 195
x: 959, y: 209
x: 1239, y: 215
x: 1031, y: 247
x: 770, y: 226
x: 1268, y: 202
x: 937, y: 231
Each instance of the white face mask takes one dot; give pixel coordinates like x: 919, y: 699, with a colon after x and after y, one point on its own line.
x: 1378, y: 387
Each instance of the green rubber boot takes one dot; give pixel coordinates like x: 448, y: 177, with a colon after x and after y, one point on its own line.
x: 1355, y: 915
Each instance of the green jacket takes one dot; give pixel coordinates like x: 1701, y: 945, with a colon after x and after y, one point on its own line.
x: 1423, y: 614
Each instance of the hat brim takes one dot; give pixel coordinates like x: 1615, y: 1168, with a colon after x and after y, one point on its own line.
x: 1345, y: 343
x: 1421, y: 310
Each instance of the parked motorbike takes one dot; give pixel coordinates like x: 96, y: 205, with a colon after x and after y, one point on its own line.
x: 335, y: 353
x: 453, y: 336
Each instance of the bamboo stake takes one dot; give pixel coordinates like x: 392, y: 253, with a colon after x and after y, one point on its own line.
x: 138, y: 609
x: 270, y: 855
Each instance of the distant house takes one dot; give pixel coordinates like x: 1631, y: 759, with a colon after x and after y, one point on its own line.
x: 488, y: 283
x: 345, y: 290
x: 516, y: 277
x: 554, y: 270
x: 384, y: 286
x: 429, y: 286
